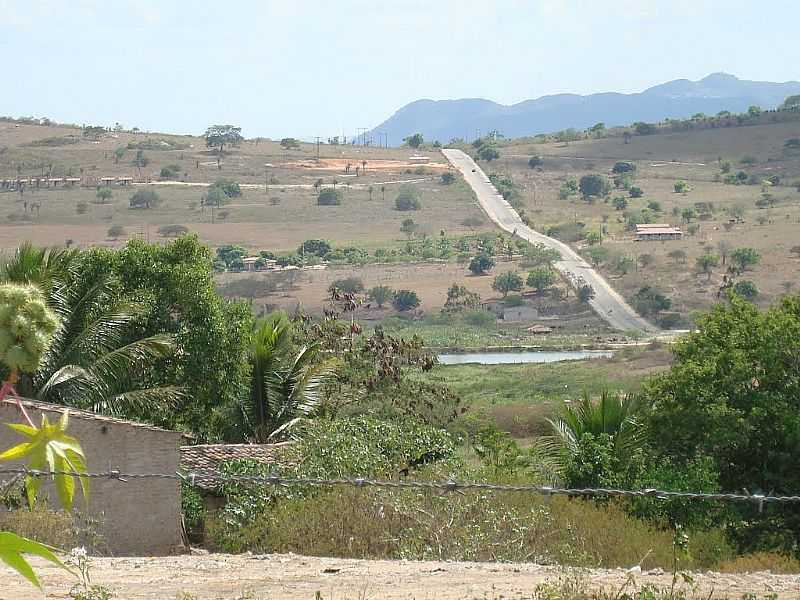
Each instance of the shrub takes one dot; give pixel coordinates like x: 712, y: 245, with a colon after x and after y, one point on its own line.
x: 116, y: 231
x: 170, y: 172
x: 649, y: 301
x: 488, y: 153
x: 405, y: 300
x: 315, y: 247
x: 381, y: 294
x: 591, y: 186
x: 407, y: 199
x: 535, y: 161
x: 623, y: 167
x: 746, y: 289
x: 636, y: 192
x: 228, y: 187
x: 448, y: 178
x: 585, y: 293
x: 681, y: 187
x: 348, y: 285
x: 329, y: 197
x: 479, y: 318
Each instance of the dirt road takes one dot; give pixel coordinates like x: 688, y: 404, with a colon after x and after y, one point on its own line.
x: 608, y: 304
x: 292, y: 577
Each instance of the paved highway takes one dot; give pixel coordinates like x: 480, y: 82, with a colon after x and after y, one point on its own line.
x: 607, y: 303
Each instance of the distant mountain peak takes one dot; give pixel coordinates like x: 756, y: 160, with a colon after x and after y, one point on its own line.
x: 444, y: 120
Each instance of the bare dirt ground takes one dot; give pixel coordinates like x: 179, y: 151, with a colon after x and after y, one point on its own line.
x: 339, y: 164
x: 292, y: 577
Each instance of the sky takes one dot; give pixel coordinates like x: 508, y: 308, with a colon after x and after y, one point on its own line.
x: 306, y: 68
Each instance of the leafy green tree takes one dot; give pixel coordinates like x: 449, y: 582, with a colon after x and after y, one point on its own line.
x: 620, y: 203
x: 104, y: 194
x: 405, y: 300
x: 754, y: 111
x: 744, y: 258
x: 623, y: 264
x: 539, y: 254
x: 119, y: 153
x: 706, y: 263
x: 746, y: 289
x: 460, y: 299
x: 230, y: 188
x: 414, y: 141
x: 733, y: 395
x: 316, y: 247
x: 592, y: 186
x: 687, y: 214
x: 219, y: 136
x: 290, y: 144
x: 568, y: 189
x: 791, y: 103
x: 616, y: 418
x: 507, y: 282
x: 649, y: 301
x: 145, y: 199
x: 593, y: 237
x: 481, y: 264
x: 596, y: 255
x: 381, y: 294
x: 284, y: 385
x: 540, y: 279
x: 488, y: 153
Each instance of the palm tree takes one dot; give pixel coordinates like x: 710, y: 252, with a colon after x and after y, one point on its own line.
x: 92, y: 362
x: 284, y: 386
x: 615, y: 415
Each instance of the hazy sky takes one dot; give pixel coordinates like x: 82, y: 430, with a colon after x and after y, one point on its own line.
x: 317, y: 67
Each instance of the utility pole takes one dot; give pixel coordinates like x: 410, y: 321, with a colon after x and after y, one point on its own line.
x: 266, y: 177
x: 318, y: 140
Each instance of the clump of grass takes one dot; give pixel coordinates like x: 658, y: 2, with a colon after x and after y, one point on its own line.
x: 760, y: 561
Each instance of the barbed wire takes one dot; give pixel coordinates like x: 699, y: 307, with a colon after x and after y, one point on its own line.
x: 210, y: 476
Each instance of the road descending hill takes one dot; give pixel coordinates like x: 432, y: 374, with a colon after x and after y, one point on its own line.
x: 607, y: 303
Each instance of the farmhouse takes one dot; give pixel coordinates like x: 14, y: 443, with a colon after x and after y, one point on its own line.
x: 657, y: 231
x: 139, y: 517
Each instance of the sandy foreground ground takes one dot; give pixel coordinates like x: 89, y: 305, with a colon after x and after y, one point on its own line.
x: 293, y: 577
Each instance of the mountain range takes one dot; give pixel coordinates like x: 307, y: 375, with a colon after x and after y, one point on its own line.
x: 467, y: 118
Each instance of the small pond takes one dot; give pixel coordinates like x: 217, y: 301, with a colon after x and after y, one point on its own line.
x: 513, y: 358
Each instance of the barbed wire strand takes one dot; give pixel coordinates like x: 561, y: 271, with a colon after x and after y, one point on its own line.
x: 192, y: 478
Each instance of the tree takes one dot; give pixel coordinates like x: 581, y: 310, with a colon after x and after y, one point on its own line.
x: 507, y: 282
x: 284, y: 385
x: 746, y: 289
x: 104, y: 194
x: 645, y: 260
x: 596, y: 255
x: 348, y: 285
x: 290, y: 144
x: 218, y: 136
x: 381, y: 294
x: 540, y: 279
x: 170, y: 172
x: 230, y: 188
x: 745, y: 258
x: 488, y: 153
x: 145, y: 199
x: 687, y: 214
x: 636, y: 192
x: 116, y: 231
x: 535, y: 161
x: 678, y: 255
x: 539, y: 254
x: 724, y: 248
x: 734, y: 379
x: 593, y: 185
x: 459, y: 299
x: 407, y: 199
x: 329, y: 197
x: 94, y: 131
x: 620, y: 203
x: 448, y: 178
x: 316, y: 247
x: 649, y: 301
x: 754, y: 111
x: 593, y: 237
x: 119, y: 153
x: 706, y: 263
x: 623, y: 264
x: 791, y: 103
x: 568, y: 189
x: 481, y: 264
x: 414, y: 141
x: 624, y: 166
x: 409, y: 227
x: 585, y: 293
x: 405, y: 300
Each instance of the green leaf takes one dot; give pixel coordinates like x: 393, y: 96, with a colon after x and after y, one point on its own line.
x: 12, y: 547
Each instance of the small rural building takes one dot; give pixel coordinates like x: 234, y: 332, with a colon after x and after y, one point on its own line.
x: 657, y: 231
x: 206, y: 458
x: 137, y: 517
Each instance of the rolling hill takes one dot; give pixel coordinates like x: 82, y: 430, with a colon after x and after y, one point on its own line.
x: 446, y: 119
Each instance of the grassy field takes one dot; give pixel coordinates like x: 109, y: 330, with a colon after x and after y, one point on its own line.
x: 277, y: 218
x: 661, y: 160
